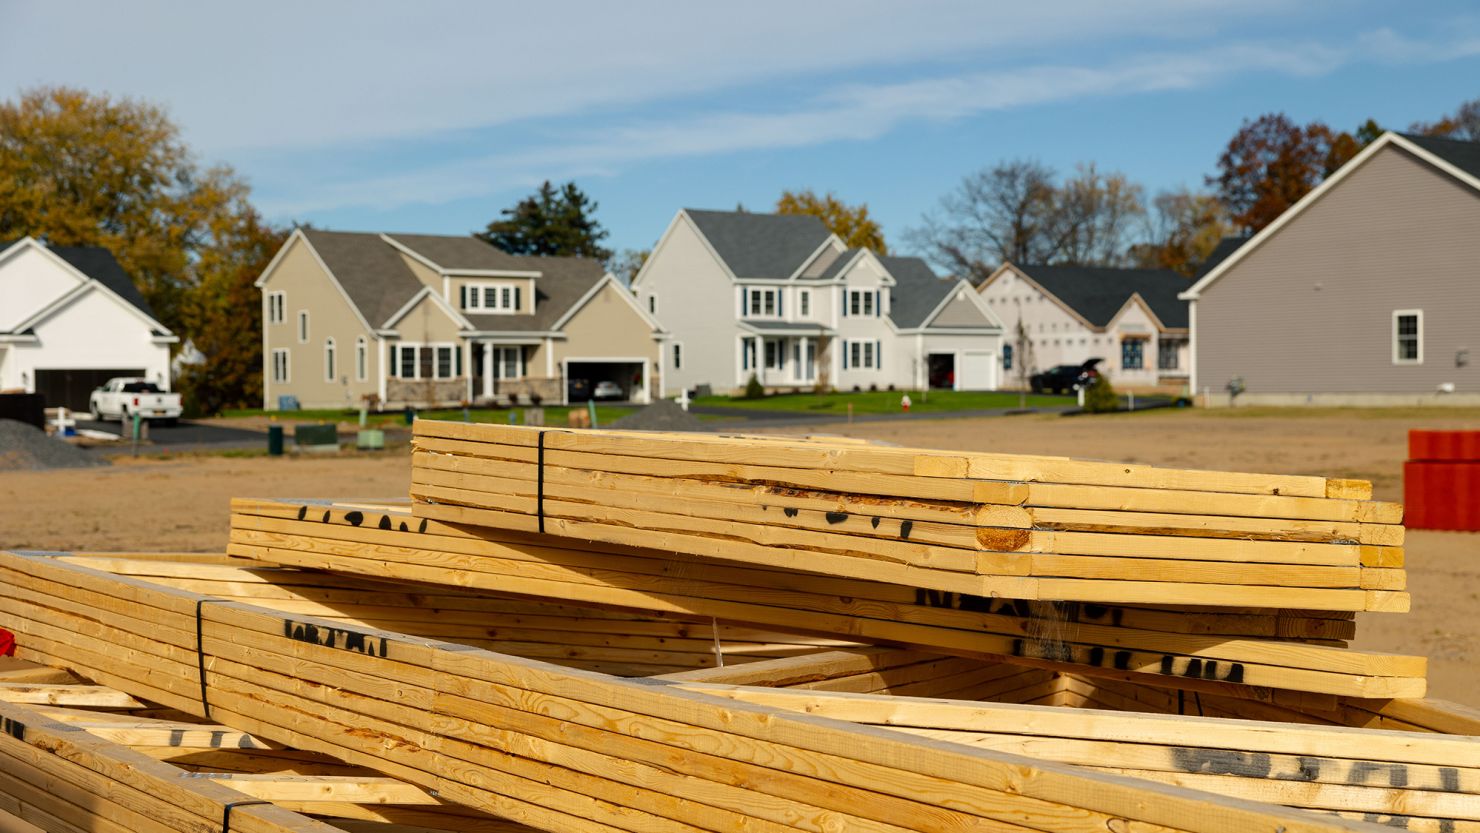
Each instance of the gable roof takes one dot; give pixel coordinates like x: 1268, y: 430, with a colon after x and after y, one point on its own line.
x: 1097, y: 293
x: 761, y: 245
x: 917, y: 291
x: 1461, y: 154
x: 1460, y: 160
x: 562, y: 282
x: 99, y: 264
x: 376, y: 279
x: 839, y: 264
x: 456, y: 254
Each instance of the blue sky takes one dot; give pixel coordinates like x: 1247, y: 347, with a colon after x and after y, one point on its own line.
x: 433, y: 116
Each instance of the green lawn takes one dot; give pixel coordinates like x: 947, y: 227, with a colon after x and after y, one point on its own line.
x: 554, y: 415
x: 881, y: 402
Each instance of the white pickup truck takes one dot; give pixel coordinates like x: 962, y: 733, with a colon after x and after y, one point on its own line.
x: 124, y: 396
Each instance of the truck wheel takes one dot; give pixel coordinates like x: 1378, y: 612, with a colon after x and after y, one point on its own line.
x: 92, y: 410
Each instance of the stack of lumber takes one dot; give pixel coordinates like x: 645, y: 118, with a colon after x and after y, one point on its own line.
x: 566, y: 749
x: 1271, y: 654
x: 990, y: 525
x: 77, y: 757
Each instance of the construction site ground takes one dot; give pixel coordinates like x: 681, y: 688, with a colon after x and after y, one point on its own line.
x: 181, y: 503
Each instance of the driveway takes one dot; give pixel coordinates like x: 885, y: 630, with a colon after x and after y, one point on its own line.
x: 183, y: 436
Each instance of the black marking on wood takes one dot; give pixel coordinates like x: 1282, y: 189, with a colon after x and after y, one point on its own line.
x: 836, y: 517
x: 325, y: 519
x: 385, y: 521
x: 791, y: 511
x: 1449, y: 779
x: 1401, y: 822
x: 355, y: 518
x: 1235, y: 673
x: 904, y: 529
x: 1210, y: 669
x: 1193, y: 669
x: 217, y: 738
x: 1123, y: 660
x: 1017, y: 647
x: 177, y: 737
x: 1221, y: 762
x: 423, y: 526
x: 341, y: 638
x: 1097, y: 656
x: 302, y: 511
x: 875, y: 521
x: 14, y: 728
x: 404, y: 528
x: 1307, y: 769
x: 1166, y: 664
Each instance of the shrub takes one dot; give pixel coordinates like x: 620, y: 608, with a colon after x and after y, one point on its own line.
x: 890, y: 388
x: 1101, y: 397
x: 535, y: 399
x: 873, y: 388
x: 754, y: 389
x: 856, y: 389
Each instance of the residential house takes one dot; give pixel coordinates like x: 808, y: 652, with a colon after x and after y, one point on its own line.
x: 70, y: 319
x: 419, y: 319
x: 783, y: 299
x: 1366, y: 291
x: 1132, y: 319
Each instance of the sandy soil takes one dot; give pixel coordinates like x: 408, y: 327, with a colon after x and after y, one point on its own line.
x: 182, y: 504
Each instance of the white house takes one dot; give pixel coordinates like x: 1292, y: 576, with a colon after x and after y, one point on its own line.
x: 71, y: 318
x: 1132, y: 319
x: 782, y: 298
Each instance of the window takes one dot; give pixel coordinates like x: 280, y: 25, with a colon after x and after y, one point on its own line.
x: 804, y: 303
x: 426, y: 361
x: 677, y: 356
x: 1132, y: 353
x: 863, y: 302
x: 1166, y: 354
x: 653, y: 304
x: 863, y: 354
x: 362, y: 359
x: 277, y: 303
x: 497, y: 298
x: 775, y: 355
x: 1007, y: 357
x: 747, y: 353
x: 1408, y: 336
x: 280, y: 365
x: 329, y: 360
x: 303, y: 326
x: 763, y: 302
x: 508, y: 362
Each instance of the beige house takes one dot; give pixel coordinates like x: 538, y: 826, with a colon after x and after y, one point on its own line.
x: 1131, y: 319
x: 416, y: 319
x: 1365, y: 292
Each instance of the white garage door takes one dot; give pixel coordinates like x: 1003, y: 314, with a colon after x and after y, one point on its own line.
x: 978, y: 371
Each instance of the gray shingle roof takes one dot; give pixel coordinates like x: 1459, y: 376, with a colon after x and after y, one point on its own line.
x: 1097, y: 293
x: 453, y: 253
x: 917, y: 290
x: 99, y: 264
x: 371, y: 271
x: 836, y: 267
x: 1221, y: 252
x: 562, y: 282
x: 1460, y: 154
x: 761, y: 245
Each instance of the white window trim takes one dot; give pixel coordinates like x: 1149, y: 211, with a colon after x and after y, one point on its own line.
x: 498, y: 352
x: 804, y: 294
x: 331, y: 359
x: 677, y: 355
x: 277, y: 307
x: 417, y: 364
x: 303, y: 326
x: 745, y: 294
x: 287, y: 366
x: 362, y: 359
x: 476, y: 293
x: 1398, y: 313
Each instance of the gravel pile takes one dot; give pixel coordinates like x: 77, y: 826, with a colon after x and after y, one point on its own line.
x: 663, y: 415
x: 26, y: 447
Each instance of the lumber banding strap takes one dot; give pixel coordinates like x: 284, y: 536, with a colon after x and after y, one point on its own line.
x: 200, y: 663
x: 226, y: 811
x: 539, y: 488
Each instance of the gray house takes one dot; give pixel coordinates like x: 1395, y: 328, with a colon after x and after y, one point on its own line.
x: 1367, y: 291
x: 783, y: 299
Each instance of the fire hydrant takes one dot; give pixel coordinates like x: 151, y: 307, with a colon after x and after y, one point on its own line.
x: 904, y: 403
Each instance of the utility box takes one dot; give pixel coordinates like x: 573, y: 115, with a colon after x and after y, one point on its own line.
x: 316, y: 438
x: 1441, y: 480
x: 370, y: 439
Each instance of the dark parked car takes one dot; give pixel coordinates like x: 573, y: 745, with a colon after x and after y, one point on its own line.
x: 1065, y: 377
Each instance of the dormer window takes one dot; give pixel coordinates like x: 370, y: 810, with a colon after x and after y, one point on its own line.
x: 495, y: 298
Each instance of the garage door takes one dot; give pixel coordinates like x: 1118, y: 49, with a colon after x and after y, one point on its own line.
x: 585, y: 376
x: 71, y: 388
x: 978, y: 371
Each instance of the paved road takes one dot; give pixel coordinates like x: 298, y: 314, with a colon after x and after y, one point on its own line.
x: 185, y: 436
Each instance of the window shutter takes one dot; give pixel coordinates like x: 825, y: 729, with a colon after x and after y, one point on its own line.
x: 462, y: 297
x: 457, y: 362
x: 518, y: 293
x: 846, y: 293
x: 780, y: 295
x: 394, y: 368
x: 845, y: 349
x: 878, y: 304
x: 878, y: 355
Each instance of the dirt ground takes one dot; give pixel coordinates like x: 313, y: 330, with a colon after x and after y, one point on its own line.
x: 182, y: 504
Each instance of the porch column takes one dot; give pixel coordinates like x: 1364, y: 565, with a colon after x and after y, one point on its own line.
x: 487, y: 370
x: 801, y: 371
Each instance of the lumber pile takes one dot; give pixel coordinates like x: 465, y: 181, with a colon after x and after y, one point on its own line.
x: 1264, y: 653
x: 999, y: 526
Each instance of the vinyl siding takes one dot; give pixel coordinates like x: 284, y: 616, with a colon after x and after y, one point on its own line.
x: 697, y: 305
x: 960, y: 312
x: 1311, y: 310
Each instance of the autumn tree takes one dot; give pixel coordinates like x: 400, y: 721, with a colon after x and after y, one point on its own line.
x: 1463, y: 124
x: 552, y: 221
x: 91, y: 170
x: 1093, y: 217
x: 1272, y: 162
x: 1181, y: 230
x: 627, y: 263
x: 852, y: 224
